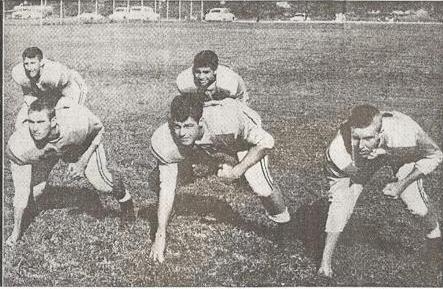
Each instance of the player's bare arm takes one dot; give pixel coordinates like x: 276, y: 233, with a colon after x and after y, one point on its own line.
x: 168, y: 181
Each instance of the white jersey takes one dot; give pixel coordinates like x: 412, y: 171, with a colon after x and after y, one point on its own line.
x: 229, y: 126
x: 228, y: 84
x: 55, y: 80
x: 404, y: 140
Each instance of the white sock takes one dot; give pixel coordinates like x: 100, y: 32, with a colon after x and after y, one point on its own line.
x: 280, y: 218
x: 127, y: 197
x: 436, y: 233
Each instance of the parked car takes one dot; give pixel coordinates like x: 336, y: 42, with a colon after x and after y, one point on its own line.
x: 219, y: 14
x: 91, y: 17
x: 143, y: 13
x: 31, y: 11
x: 120, y: 13
x: 299, y: 17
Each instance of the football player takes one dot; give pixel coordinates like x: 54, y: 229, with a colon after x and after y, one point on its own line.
x: 211, y: 80
x: 368, y: 140
x: 70, y: 133
x: 41, y: 77
x: 227, y: 126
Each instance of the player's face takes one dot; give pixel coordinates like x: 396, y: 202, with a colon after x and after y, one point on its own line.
x: 32, y: 66
x: 186, y: 132
x: 39, y: 124
x: 204, y: 76
x: 366, y: 139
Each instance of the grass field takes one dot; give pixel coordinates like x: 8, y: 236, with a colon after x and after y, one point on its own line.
x: 302, y: 80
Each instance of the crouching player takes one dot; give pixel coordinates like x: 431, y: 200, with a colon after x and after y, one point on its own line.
x: 214, y: 81
x: 367, y: 138
x: 40, y: 77
x: 73, y: 134
x: 226, y: 126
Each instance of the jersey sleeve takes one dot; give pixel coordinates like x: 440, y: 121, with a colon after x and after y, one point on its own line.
x: 432, y: 155
x: 19, y: 76
x: 163, y: 146
x: 251, y: 127
x: 55, y: 75
x: 21, y: 148
x: 185, y: 81
x: 337, y: 155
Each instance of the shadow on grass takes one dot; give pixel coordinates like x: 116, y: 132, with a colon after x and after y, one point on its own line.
x: 210, y: 209
x: 82, y: 200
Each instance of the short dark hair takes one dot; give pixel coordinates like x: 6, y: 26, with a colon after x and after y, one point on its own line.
x: 32, y: 52
x: 187, y: 105
x: 361, y: 116
x: 206, y: 58
x: 41, y: 104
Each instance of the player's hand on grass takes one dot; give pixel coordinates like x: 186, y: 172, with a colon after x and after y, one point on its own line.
x: 158, y: 248
x: 12, y: 240
x: 76, y: 170
x: 325, y: 271
x: 227, y: 173
x: 393, y: 190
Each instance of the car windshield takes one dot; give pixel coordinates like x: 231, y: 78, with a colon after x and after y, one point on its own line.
x: 136, y: 9
x: 120, y: 10
x: 215, y: 10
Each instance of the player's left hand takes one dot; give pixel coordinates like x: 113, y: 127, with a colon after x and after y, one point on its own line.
x: 393, y: 190
x: 76, y: 170
x: 227, y: 172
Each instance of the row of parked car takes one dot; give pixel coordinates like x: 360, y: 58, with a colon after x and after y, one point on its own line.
x: 143, y: 13
x: 146, y: 13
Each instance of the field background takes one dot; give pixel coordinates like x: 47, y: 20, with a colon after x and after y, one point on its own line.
x: 302, y: 80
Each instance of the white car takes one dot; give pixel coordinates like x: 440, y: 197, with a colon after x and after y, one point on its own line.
x: 91, y: 17
x: 120, y: 13
x: 299, y: 17
x: 142, y: 13
x: 31, y: 12
x: 219, y: 14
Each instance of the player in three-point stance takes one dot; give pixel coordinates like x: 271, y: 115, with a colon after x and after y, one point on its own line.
x: 211, y: 79
x: 40, y: 77
x: 226, y: 126
x: 368, y: 140
x: 70, y: 133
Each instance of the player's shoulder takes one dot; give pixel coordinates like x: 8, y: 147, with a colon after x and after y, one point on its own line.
x: 163, y: 146
x: 19, y: 75
x: 52, y: 71
x: 226, y: 73
x: 185, y: 80
x: 395, y: 120
x: 20, y: 146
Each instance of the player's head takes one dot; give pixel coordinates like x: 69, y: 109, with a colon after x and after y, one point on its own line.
x: 41, y: 118
x: 365, y: 122
x: 186, y: 112
x: 205, y: 68
x: 32, y: 57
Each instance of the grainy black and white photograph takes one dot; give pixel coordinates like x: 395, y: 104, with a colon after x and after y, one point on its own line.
x: 228, y: 143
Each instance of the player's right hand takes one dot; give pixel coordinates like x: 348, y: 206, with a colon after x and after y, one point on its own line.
x: 158, y: 248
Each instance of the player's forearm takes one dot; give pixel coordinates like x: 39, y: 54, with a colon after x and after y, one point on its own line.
x: 168, y: 183
x: 254, y: 155
x: 165, y: 204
